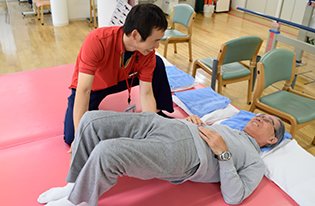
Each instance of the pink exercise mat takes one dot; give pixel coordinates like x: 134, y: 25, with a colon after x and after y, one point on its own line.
x: 33, y: 156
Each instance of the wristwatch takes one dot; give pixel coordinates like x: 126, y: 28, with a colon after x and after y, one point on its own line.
x: 226, y: 155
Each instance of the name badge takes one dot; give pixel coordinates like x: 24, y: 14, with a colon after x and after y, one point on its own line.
x: 131, y: 109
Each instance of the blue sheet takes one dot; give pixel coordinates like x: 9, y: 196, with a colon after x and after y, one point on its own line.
x: 240, y: 120
x: 177, y: 78
x: 202, y: 101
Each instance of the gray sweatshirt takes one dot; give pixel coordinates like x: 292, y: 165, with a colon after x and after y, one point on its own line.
x: 238, y: 176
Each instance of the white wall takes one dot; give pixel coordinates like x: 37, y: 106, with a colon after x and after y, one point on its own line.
x: 240, y: 3
x: 272, y: 8
x: 78, y: 9
x: 255, y: 5
x: 291, y: 10
x: 107, y: 7
x: 287, y: 9
x: 159, y: 3
x: 299, y: 8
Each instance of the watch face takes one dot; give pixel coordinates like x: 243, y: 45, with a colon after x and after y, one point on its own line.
x: 226, y: 155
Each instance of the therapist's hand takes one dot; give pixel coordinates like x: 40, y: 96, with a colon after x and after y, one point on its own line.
x: 70, y: 150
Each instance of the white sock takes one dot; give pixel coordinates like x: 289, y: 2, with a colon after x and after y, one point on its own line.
x: 61, y: 202
x: 64, y: 202
x: 55, y: 193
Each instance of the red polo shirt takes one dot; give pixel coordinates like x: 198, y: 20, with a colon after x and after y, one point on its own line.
x: 100, y: 56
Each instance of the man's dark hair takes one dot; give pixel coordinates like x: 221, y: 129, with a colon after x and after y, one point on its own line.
x: 144, y: 18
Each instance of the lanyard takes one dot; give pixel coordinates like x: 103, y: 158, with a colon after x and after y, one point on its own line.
x: 121, y: 64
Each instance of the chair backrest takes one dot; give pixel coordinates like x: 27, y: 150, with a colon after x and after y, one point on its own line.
x: 279, y: 65
x: 240, y: 49
x: 182, y: 14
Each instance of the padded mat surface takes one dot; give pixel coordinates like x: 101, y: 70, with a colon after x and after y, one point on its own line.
x: 33, y: 104
x: 28, y: 170
x: 33, y: 156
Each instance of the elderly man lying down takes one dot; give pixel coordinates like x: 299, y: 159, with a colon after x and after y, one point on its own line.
x: 146, y: 145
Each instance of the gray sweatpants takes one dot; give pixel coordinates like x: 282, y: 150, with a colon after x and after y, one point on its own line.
x: 145, y: 146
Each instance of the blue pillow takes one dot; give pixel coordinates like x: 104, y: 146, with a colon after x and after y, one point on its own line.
x: 240, y: 120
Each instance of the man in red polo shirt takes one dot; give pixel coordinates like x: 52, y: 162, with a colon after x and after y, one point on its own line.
x: 113, y: 59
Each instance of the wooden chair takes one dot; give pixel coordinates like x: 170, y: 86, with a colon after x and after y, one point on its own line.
x: 229, y: 68
x: 39, y: 8
x: 293, y: 107
x: 182, y: 14
x: 93, y: 10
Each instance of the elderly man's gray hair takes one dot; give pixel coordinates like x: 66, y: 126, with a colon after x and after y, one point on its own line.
x: 279, y: 133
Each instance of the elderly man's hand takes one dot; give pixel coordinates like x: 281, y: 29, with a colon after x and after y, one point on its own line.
x: 195, y: 119
x: 213, y: 139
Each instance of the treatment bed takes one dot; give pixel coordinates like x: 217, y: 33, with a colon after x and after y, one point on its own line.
x: 33, y: 155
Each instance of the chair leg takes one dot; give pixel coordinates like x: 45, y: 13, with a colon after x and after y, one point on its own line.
x: 252, y: 107
x: 90, y: 13
x: 42, y: 14
x: 249, y: 92
x: 219, y: 86
x: 313, y: 141
x: 95, y: 20
x: 175, y: 48
x: 165, y: 49
x: 189, y: 47
x: 293, y: 130
x: 194, y: 69
x: 38, y: 13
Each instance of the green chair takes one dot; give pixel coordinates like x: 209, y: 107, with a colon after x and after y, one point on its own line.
x: 236, y: 62
x: 182, y: 14
x: 293, y: 107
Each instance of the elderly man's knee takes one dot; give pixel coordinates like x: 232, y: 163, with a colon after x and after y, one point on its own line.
x: 109, y: 146
x: 87, y: 118
x: 108, y: 151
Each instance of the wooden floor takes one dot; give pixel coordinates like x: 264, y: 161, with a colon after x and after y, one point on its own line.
x: 26, y: 45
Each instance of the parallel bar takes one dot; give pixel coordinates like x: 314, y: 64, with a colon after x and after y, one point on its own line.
x: 296, y: 43
x: 278, y: 20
